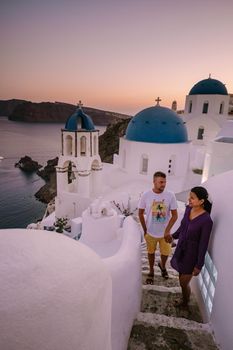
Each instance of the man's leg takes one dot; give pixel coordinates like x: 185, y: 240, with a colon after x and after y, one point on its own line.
x: 163, y: 261
x: 151, y: 246
x: 151, y: 259
x: 165, y: 250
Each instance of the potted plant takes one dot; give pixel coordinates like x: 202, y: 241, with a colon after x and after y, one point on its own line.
x: 60, y: 224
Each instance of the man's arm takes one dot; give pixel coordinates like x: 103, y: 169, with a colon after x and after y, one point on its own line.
x: 171, y: 222
x: 142, y: 219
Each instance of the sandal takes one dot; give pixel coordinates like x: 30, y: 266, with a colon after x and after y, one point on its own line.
x: 150, y: 278
x: 164, y: 273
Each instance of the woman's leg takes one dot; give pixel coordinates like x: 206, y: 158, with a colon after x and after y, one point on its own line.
x: 186, y: 291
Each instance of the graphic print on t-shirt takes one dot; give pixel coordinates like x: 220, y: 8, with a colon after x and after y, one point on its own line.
x: 158, y: 211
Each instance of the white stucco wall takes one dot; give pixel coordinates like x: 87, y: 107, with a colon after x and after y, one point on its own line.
x: 120, y: 249
x: 218, y: 159
x: 220, y: 188
x: 55, y: 293
x: 125, y: 269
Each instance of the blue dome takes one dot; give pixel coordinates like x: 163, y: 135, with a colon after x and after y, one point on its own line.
x: 158, y: 125
x: 209, y: 87
x: 72, y: 122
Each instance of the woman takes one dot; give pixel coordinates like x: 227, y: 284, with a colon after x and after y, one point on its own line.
x: 193, y: 238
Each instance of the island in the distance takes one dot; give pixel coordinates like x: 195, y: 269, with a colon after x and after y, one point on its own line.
x: 53, y: 112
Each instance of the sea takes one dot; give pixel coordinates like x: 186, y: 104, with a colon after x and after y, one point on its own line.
x: 41, y: 141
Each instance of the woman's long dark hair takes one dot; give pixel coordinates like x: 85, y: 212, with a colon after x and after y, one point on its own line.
x: 201, y: 193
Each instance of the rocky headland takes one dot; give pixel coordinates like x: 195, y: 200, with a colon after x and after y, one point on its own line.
x: 49, y: 191
x: 28, y: 165
x: 7, y: 106
x: 109, y: 141
x: 58, y: 112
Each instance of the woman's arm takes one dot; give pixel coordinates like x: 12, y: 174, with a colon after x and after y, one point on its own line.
x: 176, y: 234
x: 203, y: 243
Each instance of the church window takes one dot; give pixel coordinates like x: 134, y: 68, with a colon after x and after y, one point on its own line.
x: 200, y: 133
x: 95, y: 145
x: 205, y: 107
x: 171, y: 165
x: 190, y: 106
x: 221, y: 108
x: 144, y: 164
x: 207, y: 281
x: 69, y: 146
x: 83, y: 142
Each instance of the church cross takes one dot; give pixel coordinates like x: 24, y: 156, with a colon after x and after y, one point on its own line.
x: 158, y: 100
x: 80, y: 104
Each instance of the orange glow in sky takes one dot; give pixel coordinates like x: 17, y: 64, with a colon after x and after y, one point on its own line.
x: 113, y: 55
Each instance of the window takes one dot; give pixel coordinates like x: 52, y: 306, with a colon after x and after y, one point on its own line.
x: 83, y: 146
x: 144, y: 164
x: 200, y: 133
x: 190, y: 106
x: 205, y: 107
x: 95, y: 145
x: 221, y: 108
x: 68, y: 148
x: 207, y: 281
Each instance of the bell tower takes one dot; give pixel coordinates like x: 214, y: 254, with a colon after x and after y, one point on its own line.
x: 79, y: 166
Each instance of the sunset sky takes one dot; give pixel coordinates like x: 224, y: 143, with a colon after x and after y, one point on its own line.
x: 113, y: 55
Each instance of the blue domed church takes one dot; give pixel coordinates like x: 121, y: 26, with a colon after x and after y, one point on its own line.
x: 156, y: 139
x: 206, y: 110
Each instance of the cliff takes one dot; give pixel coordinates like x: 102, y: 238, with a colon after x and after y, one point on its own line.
x: 59, y: 112
x: 7, y: 106
x: 109, y: 141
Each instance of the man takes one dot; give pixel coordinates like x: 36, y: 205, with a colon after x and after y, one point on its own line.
x: 160, y: 207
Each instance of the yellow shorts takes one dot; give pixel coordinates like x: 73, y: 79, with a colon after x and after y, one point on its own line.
x: 165, y: 248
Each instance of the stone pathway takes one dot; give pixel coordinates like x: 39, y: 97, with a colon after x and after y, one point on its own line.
x: 160, y: 325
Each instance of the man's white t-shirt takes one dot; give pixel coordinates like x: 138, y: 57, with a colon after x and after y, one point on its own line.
x: 157, y: 209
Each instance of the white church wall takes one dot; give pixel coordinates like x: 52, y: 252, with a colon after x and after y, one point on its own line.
x: 190, y: 111
x: 81, y: 163
x: 220, y: 188
x: 160, y: 157
x: 65, y: 305
x: 214, y: 102
x: 211, y: 128
x: 70, y: 205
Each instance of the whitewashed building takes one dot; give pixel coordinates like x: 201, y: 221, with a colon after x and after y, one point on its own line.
x: 156, y: 139
x: 219, y: 155
x: 206, y: 109
x: 79, y: 167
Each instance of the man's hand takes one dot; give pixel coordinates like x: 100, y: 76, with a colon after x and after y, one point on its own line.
x: 168, y: 238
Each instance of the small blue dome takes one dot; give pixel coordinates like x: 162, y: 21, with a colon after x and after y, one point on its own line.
x: 73, y: 121
x: 209, y: 87
x: 158, y: 125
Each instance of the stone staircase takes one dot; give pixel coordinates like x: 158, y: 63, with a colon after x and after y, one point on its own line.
x: 160, y: 325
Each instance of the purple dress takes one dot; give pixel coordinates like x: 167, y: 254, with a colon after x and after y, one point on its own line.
x: 193, y: 242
